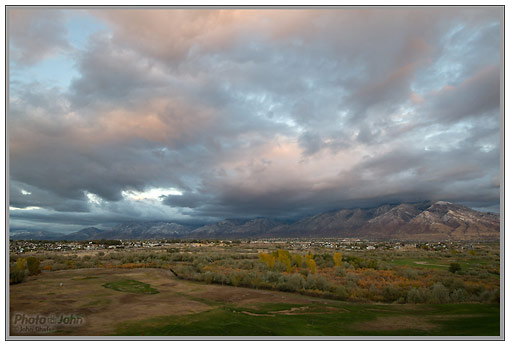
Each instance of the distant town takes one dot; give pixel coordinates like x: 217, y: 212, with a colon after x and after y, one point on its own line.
x: 347, y: 244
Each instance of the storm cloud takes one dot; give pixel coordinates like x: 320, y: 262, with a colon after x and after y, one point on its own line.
x: 199, y: 115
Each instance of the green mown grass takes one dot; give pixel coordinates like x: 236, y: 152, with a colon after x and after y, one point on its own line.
x: 131, y: 286
x: 443, y: 264
x: 429, y: 264
x: 448, y: 319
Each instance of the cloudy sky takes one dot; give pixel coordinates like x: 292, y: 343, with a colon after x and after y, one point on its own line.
x: 199, y: 115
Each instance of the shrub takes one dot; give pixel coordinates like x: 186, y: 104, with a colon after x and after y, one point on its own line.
x: 270, y: 276
x: 391, y: 293
x: 487, y: 296
x: 357, y: 262
x: 321, y: 283
x: 219, y: 278
x: 347, y: 265
x: 290, y: 283
x: 279, y: 266
x: 341, y: 292
x: 410, y: 273
x: 245, y: 264
x: 459, y: 295
x: 453, y: 283
x: 371, y: 264
x: 440, y: 294
x: 70, y: 264
x: 483, y: 275
x: 296, y: 281
x: 17, y: 275
x: 324, y: 260
x: 454, y: 267
x: 418, y: 295
x: 340, y: 271
x: 235, y: 279
x: 208, y: 277
x: 253, y: 279
x: 351, y: 277
x: 311, y: 283
x: 59, y: 266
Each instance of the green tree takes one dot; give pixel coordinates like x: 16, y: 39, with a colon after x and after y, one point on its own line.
x: 454, y: 267
x: 17, y: 275
x: 33, y: 265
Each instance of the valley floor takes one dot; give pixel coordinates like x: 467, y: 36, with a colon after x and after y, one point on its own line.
x: 150, y: 301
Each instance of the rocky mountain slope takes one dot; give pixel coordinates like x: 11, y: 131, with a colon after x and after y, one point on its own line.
x: 428, y: 221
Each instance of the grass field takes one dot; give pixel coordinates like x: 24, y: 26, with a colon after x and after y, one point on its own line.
x: 324, y: 319
x: 115, y: 302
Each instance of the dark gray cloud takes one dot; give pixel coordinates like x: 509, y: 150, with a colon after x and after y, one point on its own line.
x: 474, y: 97
x: 200, y: 115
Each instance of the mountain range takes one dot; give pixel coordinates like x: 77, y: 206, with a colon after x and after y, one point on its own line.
x: 424, y: 221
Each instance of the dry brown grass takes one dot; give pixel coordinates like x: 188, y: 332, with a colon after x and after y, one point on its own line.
x: 82, y: 294
x: 100, y: 307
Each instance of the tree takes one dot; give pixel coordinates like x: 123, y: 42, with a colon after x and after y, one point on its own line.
x: 454, y: 267
x: 337, y: 257
x: 21, y: 263
x: 33, y: 265
x: 284, y: 257
x: 70, y: 264
x: 297, y: 259
x: 286, y: 262
x: 310, y: 264
x: 16, y: 276
x: 268, y: 259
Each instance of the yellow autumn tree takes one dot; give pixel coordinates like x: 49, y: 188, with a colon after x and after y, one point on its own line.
x: 310, y: 264
x: 297, y: 259
x: 285, y: 258
x: 267, y: 259
x: 21, y: 263
x: 337, y: 258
